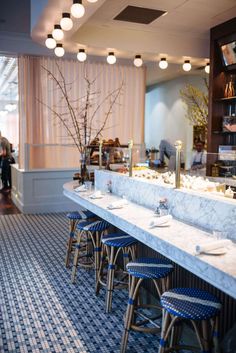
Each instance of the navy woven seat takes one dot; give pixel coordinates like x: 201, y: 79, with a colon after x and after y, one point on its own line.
x: 74, y: 218
x: 118, y: 240
x: 81, y: 214
x: 96, y: 226
x: 190, y: 303
x: 149, y: 268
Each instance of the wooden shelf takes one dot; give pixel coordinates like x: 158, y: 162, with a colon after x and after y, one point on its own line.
x: 228, y: 99
x: 223, y: 132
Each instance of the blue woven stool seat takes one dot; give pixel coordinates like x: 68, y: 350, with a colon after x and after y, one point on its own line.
x: 118, y: 240
x: 190, y: 303
x: 81, y: 214
x: 149, y: 268
x: 95, y: 226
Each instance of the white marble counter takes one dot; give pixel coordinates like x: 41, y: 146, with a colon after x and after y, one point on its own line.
x: 177, y: 242
x: 204, y: 209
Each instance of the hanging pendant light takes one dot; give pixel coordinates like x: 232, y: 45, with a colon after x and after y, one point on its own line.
x: 207, y: 68
x: 59, y: 50
x: 81, y: 56
x: 50, y: 42
x: 111, y: 59
x: 66, y: 22
x: 163, y: 64
x: 187, y: 65
x: 57, y: 33
x: 77, y: 9
x: 138, y: 62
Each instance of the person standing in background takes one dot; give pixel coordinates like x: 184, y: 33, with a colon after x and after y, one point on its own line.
x: 199, y: 156
x: 6, y: 160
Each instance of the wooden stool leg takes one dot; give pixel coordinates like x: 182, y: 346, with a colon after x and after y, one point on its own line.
x: 110, y: 279
x: 128, y: 316
x: 76, y: 258
x: 101, y: 267
x: 97, y: 254
x: 215, y: 335
x: 164, y: 331
x: 206, y: 336
x: 70, y: 241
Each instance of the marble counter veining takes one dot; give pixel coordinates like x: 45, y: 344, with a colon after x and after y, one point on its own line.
x: 201, y: 209
x: 177, y: 242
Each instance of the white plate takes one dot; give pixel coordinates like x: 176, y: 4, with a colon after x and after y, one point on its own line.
x: 163, y: 225
x: 220, y: 251
x: 114, y: 208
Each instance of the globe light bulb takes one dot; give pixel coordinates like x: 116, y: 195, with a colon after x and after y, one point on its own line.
x: 163, y: 64
x: 77, y: 9
x: 59, y: 50
x: 207, y: 68
x: 81, y: 56
x: 187, y: 66
x: 57, y: 33
x: 50, y: 42
x: 66, y: 22
x: 138, y: 62
x: 111, y: 59
x: 10, y: 107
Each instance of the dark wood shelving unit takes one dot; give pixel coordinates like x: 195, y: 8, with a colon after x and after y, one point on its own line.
x: 220, y: 74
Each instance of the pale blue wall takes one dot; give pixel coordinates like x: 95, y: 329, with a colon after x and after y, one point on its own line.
x: 165, y: 112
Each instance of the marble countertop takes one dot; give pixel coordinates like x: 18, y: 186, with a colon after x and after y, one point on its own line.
x: 177, y: 242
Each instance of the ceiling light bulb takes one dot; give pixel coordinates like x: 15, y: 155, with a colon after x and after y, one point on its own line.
x: 59, y: 50
x: 138, y: 62
x: 66, y: 22
x: 163, y: 64
x: 10, y: 107
x: 50, y: 42
x: 187, y: 66
x: 111, y: 59
x: 77, y: 9
x: 92, y: 1
x: 57, y: 33
x: 207, y: 68
x: 81, y: 56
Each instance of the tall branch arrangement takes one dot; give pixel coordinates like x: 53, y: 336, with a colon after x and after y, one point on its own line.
x: 197, y: 104
x: 80, y: 116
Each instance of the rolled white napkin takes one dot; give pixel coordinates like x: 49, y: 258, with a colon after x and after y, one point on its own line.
x: 160, y: 221
x: 213, y: 245
x: 96, y: 195
x: 81, y: 188
x: 117, y: 204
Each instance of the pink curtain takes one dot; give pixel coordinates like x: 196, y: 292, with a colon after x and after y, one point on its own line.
x: 43, y: 141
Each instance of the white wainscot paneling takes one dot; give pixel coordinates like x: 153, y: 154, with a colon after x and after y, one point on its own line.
x: 40, y: 191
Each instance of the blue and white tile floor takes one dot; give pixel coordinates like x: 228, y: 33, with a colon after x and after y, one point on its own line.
x: 40, y: 310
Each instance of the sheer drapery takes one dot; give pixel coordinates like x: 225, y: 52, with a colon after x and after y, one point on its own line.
x: 40, y: 129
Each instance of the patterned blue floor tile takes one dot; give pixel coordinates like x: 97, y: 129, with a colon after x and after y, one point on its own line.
x: 40, y: 310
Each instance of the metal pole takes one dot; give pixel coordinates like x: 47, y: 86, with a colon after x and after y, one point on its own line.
x: 178, y: 146
x: 131, y: 143
x: 100, y: 154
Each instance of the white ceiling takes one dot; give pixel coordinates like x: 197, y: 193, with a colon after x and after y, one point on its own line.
x: 182, y: 33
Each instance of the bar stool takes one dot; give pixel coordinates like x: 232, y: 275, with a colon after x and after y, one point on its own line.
x: 198, y: 307
x: 112, y: 245
x: 156, y: 270
x: 74, y: 218
x: 94, y: 230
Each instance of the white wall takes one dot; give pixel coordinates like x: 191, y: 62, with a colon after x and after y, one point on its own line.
x: 165, y: 112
